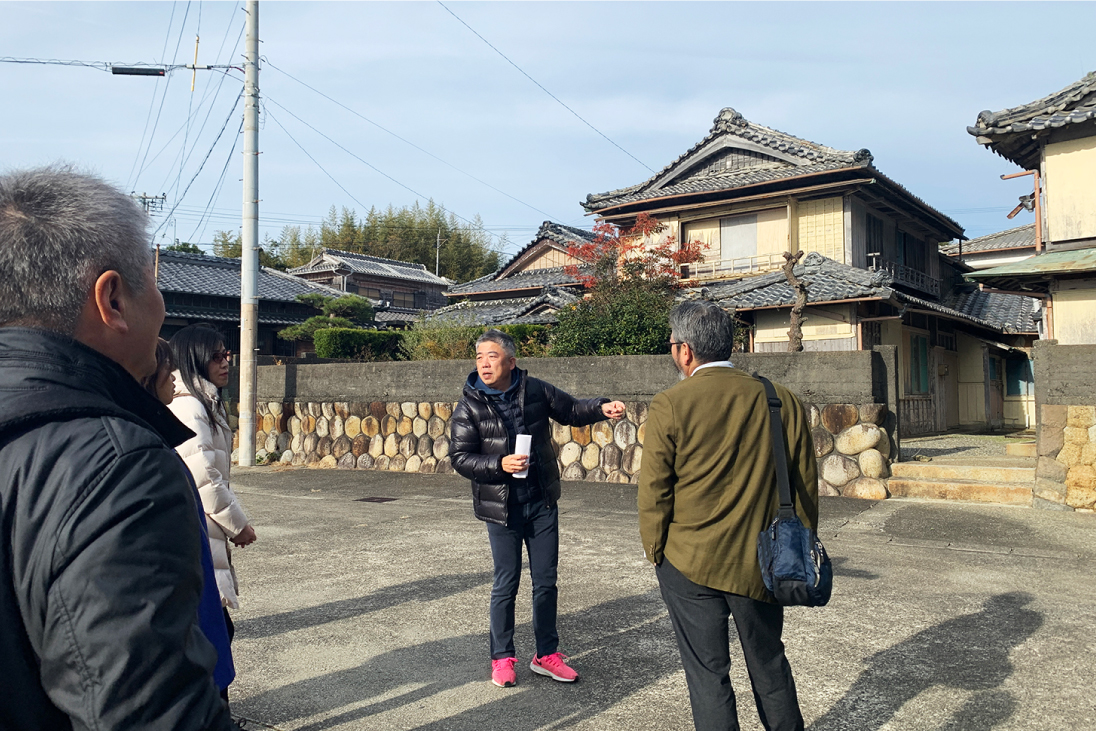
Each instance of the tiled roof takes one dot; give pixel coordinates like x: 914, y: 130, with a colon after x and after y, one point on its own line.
x: 1010, y: 132
x: 827, y: 281
x: 397, y: 314
x: 830, y: 281
x: 556, y: 233
x: 767, y: 154
x: 526, y: 279
x: 1020, y: 237
x: 1073, y: 104
x: 206, y: 313
x: 218, y: 276
x: 332, y: 259
x: 508, y: 311
x: 1007, y: 313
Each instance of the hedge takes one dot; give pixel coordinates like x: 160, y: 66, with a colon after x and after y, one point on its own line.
x: 371, y: 345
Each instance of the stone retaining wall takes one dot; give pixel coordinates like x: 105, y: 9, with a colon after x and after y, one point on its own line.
x: 1065, y: 403
x: 851, y: 444
x: 1065, y: 475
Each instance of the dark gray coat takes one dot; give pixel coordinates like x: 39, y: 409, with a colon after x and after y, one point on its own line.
x: 479, y: 440
x: 100, y: 563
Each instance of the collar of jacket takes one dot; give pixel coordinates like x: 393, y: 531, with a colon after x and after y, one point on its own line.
x: 214, y: 394
x: 473, y: 392
x: 510, y: 392
x: 46, y: 376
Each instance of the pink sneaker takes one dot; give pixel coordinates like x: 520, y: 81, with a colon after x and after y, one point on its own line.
x: 554, y: 666
x: 502, y: 672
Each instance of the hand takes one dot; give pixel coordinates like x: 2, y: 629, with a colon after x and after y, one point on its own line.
x: 245, y: 537
x: 613, y: 409
x: 512, y: 463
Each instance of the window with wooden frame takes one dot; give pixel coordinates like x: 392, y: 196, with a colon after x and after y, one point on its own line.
x: 919, y: 364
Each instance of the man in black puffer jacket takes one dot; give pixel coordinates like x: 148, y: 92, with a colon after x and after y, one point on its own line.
x: 516, y: 494
x: 100, y: 552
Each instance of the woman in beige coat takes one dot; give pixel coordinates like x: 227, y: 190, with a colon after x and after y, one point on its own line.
x: 203, y: 371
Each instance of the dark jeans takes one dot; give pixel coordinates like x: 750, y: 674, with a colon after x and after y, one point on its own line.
x: 537, y: 526
x: 699, y: 615
x: 231, y: 633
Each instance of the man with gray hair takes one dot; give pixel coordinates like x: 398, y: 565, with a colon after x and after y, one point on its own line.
x: 100, y: 568
x: 515, y: 491
x: 707, y: 489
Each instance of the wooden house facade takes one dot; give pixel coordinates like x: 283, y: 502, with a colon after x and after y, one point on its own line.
x: 875, y: 275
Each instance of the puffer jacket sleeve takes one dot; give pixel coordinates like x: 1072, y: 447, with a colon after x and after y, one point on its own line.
x: 200, y: 456
x: 120, y: 646
x: 465, y: 448
x: 570, y: 411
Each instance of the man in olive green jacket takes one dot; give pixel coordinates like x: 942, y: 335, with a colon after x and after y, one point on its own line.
x: 707, y: 489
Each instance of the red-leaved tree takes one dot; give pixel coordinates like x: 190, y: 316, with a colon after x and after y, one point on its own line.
x: 638, y: 254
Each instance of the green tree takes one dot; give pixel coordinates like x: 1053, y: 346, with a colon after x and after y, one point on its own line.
x: 630, y: 276
x: 183, y: 247
x: 227, y: 244
x: 347, y: 311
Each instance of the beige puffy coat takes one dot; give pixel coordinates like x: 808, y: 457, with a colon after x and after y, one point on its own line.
x: 208, y: 456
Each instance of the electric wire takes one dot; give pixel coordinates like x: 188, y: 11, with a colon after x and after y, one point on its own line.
x: 152, y: 101
x: 204, y: 220
x: 156, y: 122
x: 541, y: 87
x: 367, y: 164
x: 407, y: 141
x: 206, y: 159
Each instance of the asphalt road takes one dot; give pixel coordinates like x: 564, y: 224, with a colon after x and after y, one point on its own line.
x: 373, y: 615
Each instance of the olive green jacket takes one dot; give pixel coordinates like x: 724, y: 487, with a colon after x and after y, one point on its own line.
x: 708, y: 481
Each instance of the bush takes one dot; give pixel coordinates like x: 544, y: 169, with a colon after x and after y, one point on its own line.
x: 456, y: 341
x: 633, y: 320
x: 366, y: 345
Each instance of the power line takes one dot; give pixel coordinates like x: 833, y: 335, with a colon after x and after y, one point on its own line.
x: 541, y: 87
x: 363, y: 161
x: 206, y: 159
x: 408, y: 142
x: 217, y: 189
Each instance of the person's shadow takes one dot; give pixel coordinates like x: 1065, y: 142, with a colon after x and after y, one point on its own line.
x: 969, y: 653
x: 626, y: 646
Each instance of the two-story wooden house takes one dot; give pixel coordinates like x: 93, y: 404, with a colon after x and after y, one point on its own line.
x: 400, y: 290
x: 528, y: 289
x: 1054, y: 139
x: 874, y: 272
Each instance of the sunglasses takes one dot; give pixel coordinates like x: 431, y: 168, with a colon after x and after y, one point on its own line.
x: 222, y: 356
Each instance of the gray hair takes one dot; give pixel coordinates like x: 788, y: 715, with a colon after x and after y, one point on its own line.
x: 498, y: 337
x: 706, y: 327
x: 59, y: 231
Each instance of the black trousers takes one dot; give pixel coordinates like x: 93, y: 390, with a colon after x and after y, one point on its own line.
x: 699, y: 615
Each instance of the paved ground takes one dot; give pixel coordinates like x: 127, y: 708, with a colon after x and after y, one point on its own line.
x: 367, y: 615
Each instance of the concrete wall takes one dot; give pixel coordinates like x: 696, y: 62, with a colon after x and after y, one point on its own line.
x: 1065, y: 401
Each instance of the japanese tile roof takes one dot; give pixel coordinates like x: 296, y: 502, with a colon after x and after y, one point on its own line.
x: 220, y: 277
x: 1009, y: 131
x: 397, y: 314
x: 1021, y: 237
x: 1007, y: 313
x: 536, y: 310
x: 331, y: 259
x: 827, y: 281
x: 212, y: 315
x: 762, y: 154
x: 830, y: 281
x: 526, y: 279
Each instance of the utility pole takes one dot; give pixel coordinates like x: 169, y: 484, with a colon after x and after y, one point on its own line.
x: 249, y: 256
x: 437, y: 255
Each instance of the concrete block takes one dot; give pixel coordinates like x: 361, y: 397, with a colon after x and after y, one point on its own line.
x: 1053, y: 416
x: 1044, y: 504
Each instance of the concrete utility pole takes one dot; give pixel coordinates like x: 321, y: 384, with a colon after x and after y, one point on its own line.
x: 249, y: 256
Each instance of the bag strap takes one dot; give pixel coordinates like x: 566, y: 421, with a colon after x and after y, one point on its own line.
x: 780, y: 455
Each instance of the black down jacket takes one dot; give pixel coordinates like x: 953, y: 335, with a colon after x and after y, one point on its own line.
x: 479, y: 440
x: 100, y: 563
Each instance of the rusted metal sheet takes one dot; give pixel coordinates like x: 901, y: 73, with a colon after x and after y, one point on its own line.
x: 1054, y: 262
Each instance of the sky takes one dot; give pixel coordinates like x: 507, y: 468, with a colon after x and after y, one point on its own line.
x: 409, y: 104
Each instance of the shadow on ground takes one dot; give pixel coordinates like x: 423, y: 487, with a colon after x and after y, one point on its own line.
x: 968, y: 653
x: 430, y: 589
x: 627, y: 644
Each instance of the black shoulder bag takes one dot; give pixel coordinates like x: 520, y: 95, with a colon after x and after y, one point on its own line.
x: 794, y: 565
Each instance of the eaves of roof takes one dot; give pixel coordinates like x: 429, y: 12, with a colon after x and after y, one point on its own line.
x: 1021, y: 237
x: 1044, y: 266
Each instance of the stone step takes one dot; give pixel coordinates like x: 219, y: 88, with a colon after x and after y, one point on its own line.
x: 964, y: 473
x: 966, y: 490
x: 1021, y: 449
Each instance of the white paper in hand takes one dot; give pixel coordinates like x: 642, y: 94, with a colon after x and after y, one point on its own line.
x: 522, y: 444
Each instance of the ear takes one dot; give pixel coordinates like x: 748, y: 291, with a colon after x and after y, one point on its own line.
x: 110, y: 301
